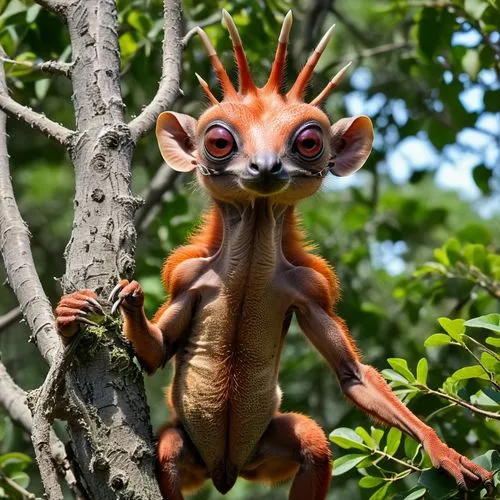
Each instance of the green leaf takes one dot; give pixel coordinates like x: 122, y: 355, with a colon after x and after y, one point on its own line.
x: 377, y: 435
x: 453, y: 327
x: 14, y: 458
x: 21, y: 478
x: 346, y: 438
x: 438, y: 483
x: 411, y: 447
x: 32, y: 13
x: 394, y: 376
x: 437, y: 339
x: 489, y: 322
x: 490, y: 362
x: 400, y: 365
x: 475, y: 8
x: 418, y: 493
x: 422, y: 371
x: 471, y: 63
x: 482, y: 176
x: 41, y: 88
x: 347, y: 462
x: 380, y: 494
x: 494, y: 341
x: 367, y: 439
x: 468, y: 372
x: 428, y: 31
x: 370, y: 481
x: 393, y: 441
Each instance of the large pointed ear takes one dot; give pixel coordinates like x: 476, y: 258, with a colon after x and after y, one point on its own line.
x: 351, y: 140
x: 175, y: 133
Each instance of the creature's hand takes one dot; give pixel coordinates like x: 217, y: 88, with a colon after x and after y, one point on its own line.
x: 466, y: 473
x: 129, y: 297
x: 76, y: 309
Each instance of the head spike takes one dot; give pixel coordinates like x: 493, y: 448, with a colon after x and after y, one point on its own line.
x: 225, y: 82
x: 245, y: 77
x: 206, y: 89
x: 277, y: 69
x: 317, y: 101
x: 297, y: 90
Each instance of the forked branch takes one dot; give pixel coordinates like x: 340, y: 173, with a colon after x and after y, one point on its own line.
x: 171, y: 70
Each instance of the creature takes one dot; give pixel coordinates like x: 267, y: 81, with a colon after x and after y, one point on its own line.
x: 234, y: 288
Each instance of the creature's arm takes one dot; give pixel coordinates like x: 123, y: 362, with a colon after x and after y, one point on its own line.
x: 154, y: 341
x: 363, y: 385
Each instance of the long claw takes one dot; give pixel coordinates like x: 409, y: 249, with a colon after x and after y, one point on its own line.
x: 116, y: 305
x: 114, y: 293
x: 95, y: 306
x: 81, y: 319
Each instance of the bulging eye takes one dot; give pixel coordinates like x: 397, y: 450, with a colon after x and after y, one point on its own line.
x: 219, y: 142
x: 309, y: 142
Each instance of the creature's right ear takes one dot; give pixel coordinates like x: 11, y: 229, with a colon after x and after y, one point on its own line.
x: 176, y: 139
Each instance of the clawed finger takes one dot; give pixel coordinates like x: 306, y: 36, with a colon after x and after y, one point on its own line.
x: 117, y: 304
x: 113, y: 296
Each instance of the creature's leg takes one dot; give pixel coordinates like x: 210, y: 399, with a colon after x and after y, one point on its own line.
x: 293, y: 445
x: 179, y: 465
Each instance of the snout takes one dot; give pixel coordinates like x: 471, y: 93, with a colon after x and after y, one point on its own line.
x: 265, y: 174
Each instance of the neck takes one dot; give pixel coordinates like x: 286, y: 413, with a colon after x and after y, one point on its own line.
x: 252, y: 237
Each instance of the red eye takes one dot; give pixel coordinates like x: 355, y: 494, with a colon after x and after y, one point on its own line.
x: 309, y: 142
x: 219, y: 142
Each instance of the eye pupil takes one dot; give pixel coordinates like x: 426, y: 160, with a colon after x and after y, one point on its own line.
x: 220, y: 143
x: 309, y: 143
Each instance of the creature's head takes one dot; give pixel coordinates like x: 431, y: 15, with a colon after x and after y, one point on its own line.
x: 259, y: 142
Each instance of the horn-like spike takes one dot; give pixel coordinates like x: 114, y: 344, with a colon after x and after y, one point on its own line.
x: 277, y: 69
x: 245, y: 77
x: 225, y: 82
x: 297, y: 90
x: 317, y: 101
x: 206, y: 89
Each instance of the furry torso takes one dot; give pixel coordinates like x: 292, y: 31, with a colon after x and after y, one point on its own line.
x: 225, y: 388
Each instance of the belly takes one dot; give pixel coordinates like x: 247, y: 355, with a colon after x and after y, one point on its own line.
x: 225, y: 388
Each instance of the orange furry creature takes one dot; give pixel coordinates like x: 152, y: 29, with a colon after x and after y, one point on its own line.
x: 234, y: 289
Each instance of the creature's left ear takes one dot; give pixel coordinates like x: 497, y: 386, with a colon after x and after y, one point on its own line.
x: 351, y: 142
x: 176, y: 138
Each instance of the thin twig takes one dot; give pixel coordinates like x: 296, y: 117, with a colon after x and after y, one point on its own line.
x: 192, y: 30
x: 50, y: 67
x: 170, y: 77
x: 8, y: 318
x: 459, y: 402
x: 367, y: 53
x: 17, y: 487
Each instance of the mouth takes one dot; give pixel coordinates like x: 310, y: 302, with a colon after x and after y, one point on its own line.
x: 263, y: 186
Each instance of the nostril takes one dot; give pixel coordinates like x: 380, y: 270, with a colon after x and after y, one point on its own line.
x: 276, y: 167
x: 253, y: 167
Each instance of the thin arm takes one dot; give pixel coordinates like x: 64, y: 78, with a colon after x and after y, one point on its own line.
x: 170, y: 76
x: 366, y: 388
x: 155, y: 341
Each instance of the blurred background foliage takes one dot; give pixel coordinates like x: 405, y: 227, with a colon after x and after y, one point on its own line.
x: 426, y: 72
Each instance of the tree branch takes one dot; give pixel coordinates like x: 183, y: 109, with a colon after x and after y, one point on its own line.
x: 16, y: 252
x: 8, y: 318
x: 57, y: 7
x: 162, y: 182
x: 13, y: 400
x: 49, y: 67
x: 171, y: 69
x: 49, y: 128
